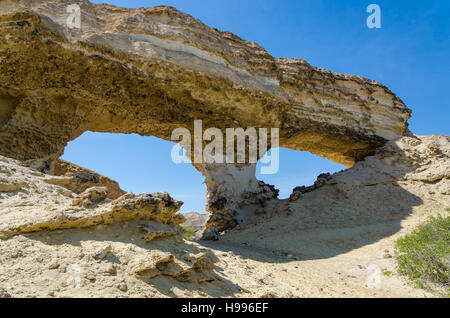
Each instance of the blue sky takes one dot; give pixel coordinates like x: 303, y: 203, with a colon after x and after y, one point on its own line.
x: 410, y: 54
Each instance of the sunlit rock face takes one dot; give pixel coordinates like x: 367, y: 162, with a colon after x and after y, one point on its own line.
x: 151, y: 70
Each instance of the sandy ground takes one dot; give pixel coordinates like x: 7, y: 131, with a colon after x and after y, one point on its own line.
x: 322, y: 262
x: 248, y: 262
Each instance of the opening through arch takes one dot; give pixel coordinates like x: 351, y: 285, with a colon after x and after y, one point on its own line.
x: 296, y: 168
x: 140, y: 164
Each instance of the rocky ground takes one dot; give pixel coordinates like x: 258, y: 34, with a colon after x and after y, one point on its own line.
x: 59, y: 239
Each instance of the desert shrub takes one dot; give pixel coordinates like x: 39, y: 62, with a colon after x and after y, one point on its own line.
x: 189, y: 232
x: 424, y: 256
x: 387, y: 272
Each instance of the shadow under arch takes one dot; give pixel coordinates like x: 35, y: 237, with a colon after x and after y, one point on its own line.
x: 357, y: 207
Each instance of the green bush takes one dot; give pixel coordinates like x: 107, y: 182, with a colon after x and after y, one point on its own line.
x: 387, y: 272
x: 424, y: 256
x: 189, y: 232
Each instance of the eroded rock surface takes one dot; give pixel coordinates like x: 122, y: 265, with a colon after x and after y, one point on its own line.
x: 38, y: 205
x: 87, y: 178
x: 151, y: 70
x: 133, y: 238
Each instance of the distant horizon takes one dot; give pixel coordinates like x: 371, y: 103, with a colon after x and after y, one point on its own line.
x: 195, y: 212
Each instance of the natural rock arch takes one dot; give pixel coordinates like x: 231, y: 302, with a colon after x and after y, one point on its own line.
x: 151, y: 70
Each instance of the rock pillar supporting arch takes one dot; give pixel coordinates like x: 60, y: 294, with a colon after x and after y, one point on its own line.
x: 233, y: 193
